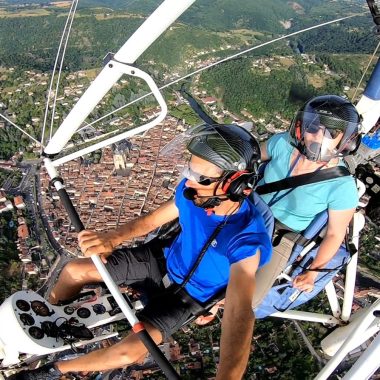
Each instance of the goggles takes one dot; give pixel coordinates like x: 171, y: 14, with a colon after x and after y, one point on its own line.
x: 192, y: 175
x: 328, y: 132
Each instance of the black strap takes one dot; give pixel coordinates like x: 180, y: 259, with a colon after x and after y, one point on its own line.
x: 303, y: 179
x: 196, y: 107
x: 200, y: 256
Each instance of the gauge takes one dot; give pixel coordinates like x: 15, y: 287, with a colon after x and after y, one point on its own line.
x: 23, y: 305
x: 41, y: 309
x: 69, y: 310
x: 36, y: 333
x: 27, y: 319
x: 99, y: 309
x: 83, y: 312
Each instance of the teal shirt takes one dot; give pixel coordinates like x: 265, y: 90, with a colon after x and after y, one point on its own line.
x: 297, y: 209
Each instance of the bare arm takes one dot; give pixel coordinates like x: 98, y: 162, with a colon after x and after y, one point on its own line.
x: 238, y: 319
x: 336, y: 230
x: 103, y: 243
x: 264, y: 152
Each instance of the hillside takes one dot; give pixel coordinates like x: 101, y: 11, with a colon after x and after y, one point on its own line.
x: 207, y: 26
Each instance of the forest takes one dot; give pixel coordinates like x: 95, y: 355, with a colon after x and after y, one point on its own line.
x: 203, y: 27
x: 240, y: 86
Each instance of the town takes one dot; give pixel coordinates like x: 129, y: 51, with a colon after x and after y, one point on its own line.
x: 111, y: 187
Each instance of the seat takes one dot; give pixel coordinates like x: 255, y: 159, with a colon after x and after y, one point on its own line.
x: 283, y: 296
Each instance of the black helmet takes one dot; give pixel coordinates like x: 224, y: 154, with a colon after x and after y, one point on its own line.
x: 332, y: 115
x: 228, y: 146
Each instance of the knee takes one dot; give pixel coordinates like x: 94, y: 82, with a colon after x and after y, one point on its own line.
x: 79, y: 270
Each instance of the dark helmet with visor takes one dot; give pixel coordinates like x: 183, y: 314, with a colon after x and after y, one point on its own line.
x: 228, y: 146
x: 324, y: 119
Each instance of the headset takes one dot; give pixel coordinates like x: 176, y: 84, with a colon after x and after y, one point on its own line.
x: 238, y: 185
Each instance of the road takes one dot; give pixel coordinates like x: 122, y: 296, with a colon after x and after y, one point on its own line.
x: 30, y: 189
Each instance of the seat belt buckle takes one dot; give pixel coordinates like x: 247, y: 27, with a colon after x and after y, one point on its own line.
x: 167, y: 281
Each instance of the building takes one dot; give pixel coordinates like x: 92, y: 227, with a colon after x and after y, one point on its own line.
x: 209, y: 100
x: 3, y: 196
x: 22, y: 232
x: 121, y: 151
x: 19, y: 202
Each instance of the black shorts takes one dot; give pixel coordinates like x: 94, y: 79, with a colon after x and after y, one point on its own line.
x: 143, y: 268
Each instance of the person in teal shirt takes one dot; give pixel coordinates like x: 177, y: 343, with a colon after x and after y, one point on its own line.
x: 322, y: 132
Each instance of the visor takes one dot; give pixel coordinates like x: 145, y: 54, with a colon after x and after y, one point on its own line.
x: 324, y: 130
x: 206, y: 142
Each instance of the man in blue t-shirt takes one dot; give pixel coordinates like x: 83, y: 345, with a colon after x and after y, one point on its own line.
x: 223, y: 241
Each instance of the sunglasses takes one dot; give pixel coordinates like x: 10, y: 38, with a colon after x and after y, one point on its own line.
x: 203, y: 180
x: 314, y: 128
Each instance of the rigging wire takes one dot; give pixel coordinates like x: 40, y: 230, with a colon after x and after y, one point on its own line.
x: 225, y: 60
x: 55, y: 69
x: 60, y: 68
x: 20, y: 129
x: 365, y: 72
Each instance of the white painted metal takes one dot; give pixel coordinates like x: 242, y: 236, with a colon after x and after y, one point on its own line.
x: 53, y: 173
x: 363, y: 323
x: 114, y: 289
x: 331, y: 344
x: 15, y: 337
x: 91, y: 97
x: 307, y: 316
x: 164, y: 109
x: 333, y: 300
x: 369, y: 109
x: 367, y: 363
x: 151, y: 29
x: 358, y: 224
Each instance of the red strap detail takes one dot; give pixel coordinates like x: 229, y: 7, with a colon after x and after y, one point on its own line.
x: 139, y: 326
x: 298, y: 130
x: 227, y: 183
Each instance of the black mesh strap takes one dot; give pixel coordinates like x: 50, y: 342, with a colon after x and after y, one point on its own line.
x: 303, y: 179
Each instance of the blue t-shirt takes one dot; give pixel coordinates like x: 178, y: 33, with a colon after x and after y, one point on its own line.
x: 297, y: 209
x: 241, y: 237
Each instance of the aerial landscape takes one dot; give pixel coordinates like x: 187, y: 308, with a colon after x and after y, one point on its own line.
x: 244, y: 64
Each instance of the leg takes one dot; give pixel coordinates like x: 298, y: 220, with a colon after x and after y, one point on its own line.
x: 127, y: 351
x: 136, y: 266
x: 162, y: 316
x: 73, y: 277
x: 266, y: 276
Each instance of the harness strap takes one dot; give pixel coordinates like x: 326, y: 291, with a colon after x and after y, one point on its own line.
x: 303, y: 179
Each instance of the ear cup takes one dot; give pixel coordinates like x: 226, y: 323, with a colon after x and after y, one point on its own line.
x: 235, y: 184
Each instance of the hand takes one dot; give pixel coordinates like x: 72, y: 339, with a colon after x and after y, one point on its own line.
x: 305, y: 281
x: 97, y: 243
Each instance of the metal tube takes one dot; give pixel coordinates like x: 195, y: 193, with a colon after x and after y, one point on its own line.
x: 369, y: 104
x: 144, y: 36
x: 151, y: 29
x: 364, y: 322
x: 349, y: 288
x: 333, y: 299
x: 91, y: 98
x: 157, y: 354
x: 367, y: 364
x: 306, y: 316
